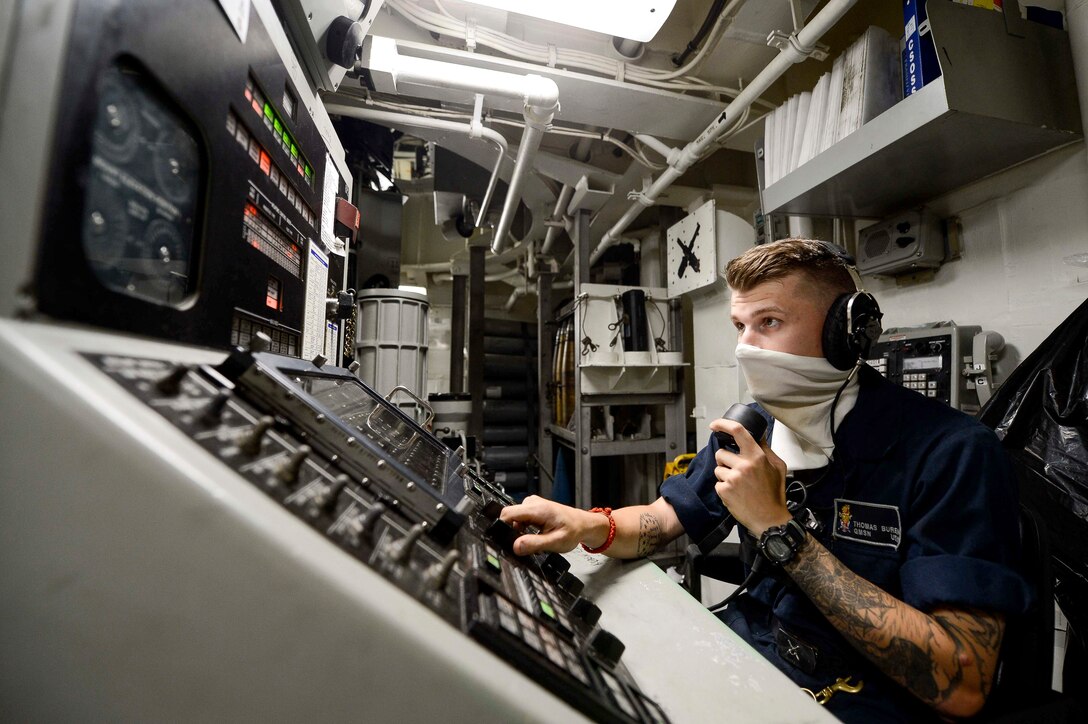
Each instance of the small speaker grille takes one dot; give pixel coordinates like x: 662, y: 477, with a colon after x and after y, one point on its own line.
x: 877, y: 244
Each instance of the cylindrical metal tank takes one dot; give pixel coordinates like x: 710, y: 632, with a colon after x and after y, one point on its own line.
x: 391, y: 342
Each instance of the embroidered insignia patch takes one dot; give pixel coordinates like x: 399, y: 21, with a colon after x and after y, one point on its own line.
x: 871, y: 523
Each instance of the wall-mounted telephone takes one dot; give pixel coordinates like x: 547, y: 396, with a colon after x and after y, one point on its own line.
x: 943, y: 360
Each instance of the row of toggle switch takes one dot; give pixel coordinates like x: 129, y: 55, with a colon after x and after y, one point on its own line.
x: 528, y: 609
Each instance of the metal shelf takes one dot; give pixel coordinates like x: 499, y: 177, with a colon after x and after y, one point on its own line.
x: 1002, y: 99
x: 561, y: 433
x: 605, y: 448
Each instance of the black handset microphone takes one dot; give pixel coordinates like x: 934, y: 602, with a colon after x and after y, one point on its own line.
x: 756, y: 425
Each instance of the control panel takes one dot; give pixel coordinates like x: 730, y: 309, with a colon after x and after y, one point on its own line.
x: 192, y: 182
x: 384, y: 490
x: 927, y: 359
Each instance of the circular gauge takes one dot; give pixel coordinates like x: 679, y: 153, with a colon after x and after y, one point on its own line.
x: 167, y: 262
x: 139, y: 224
x: 177, y: 164
x: 106, y: 238
x: 117, y: 120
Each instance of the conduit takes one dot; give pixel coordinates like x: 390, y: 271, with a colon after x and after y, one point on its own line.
x: 540, y: 96
x: 798, y: 49
x: 395, y: 120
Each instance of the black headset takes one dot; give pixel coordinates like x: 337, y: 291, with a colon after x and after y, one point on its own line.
x: 852, y: 325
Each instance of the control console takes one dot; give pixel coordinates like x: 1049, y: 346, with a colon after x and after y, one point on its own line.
x: 384, y: 490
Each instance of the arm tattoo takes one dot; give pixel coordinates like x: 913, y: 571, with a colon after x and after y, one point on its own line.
x: 931, y: 655
x: 649, y: 534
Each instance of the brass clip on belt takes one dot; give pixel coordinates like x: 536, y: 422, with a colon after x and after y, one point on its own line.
x: 822, y: 696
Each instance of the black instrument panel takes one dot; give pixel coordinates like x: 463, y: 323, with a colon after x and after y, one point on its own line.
x: 185, y: 181
x: 274, y: 421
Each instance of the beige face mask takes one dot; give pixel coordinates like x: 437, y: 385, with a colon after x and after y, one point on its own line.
x: 798, y: 392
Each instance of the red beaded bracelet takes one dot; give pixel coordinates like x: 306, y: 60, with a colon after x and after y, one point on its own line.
x: 611, y: 531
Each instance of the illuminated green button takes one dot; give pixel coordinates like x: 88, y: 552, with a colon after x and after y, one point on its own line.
x: 268, y: 111
x: 494, y: 562
x: 547, y: 609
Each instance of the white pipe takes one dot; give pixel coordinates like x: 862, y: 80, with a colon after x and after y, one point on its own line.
x: 528, y: 289
x: 580, y: 152
x: 405, y: 119
x: 534, y: 90
x: 433, y: 268
x: 501, y: 276
x: 667, y: 152
x: 558, y: 214
x: 795, y: 52
x: 530, y: 142
x: 540, y: 96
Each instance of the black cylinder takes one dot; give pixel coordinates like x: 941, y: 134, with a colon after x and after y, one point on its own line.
x: 509, y: 345
x: 635, y: 338
x: 505, y: 435
x: 505, y: 367
x: 507, y: 328
x: 512, y: 479
x: 505, y: 411
x: 502, y: 457
x: 507, y: 390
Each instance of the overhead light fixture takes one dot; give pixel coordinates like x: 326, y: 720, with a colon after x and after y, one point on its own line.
x: 633, y: 19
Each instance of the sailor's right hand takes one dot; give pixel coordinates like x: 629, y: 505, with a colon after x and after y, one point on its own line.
x: 561, y: 527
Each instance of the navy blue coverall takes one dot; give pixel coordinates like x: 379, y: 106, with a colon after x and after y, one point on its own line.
x: 919, y: 499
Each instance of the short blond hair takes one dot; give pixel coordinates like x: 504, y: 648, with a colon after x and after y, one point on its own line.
x: 824, y: 270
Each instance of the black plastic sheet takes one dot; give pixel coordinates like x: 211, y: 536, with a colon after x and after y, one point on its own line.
x: 1041, y: 416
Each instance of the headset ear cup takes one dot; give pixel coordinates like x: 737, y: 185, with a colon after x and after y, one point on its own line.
x: 836, y: 336
x: 866, y: 324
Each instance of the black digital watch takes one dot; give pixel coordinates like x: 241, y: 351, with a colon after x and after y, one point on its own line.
x: 780, y: 543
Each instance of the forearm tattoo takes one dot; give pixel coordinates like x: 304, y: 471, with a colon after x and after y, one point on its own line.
x: 930, y: 655
x: 649, y: 534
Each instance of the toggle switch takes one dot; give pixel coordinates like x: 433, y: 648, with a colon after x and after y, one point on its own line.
x: 370, y: 521
x: 436, y: 576
x: 213, y: 411
x: 251, y: 442
x: 358, y: 526
x: 324, y: 496
x: 170, y: 383
x: 400, y: 551
x: 288, y: 472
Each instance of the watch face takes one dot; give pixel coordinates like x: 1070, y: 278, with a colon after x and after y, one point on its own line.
x: 777, y: 548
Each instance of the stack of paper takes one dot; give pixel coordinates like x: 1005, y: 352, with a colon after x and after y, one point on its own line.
x: 863, y: 83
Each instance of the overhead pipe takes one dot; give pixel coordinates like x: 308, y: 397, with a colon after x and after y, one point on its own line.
x: 474, y: 130
x: 500, y: 277
x: 667, y: 152
x: 531, y: 288
x: 580, y: 152
x: 801, y: 44
x: 539, y: 95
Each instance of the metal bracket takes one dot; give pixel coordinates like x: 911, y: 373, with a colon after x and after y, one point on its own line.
x: 1014, y: 24
x: 782, y: 40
